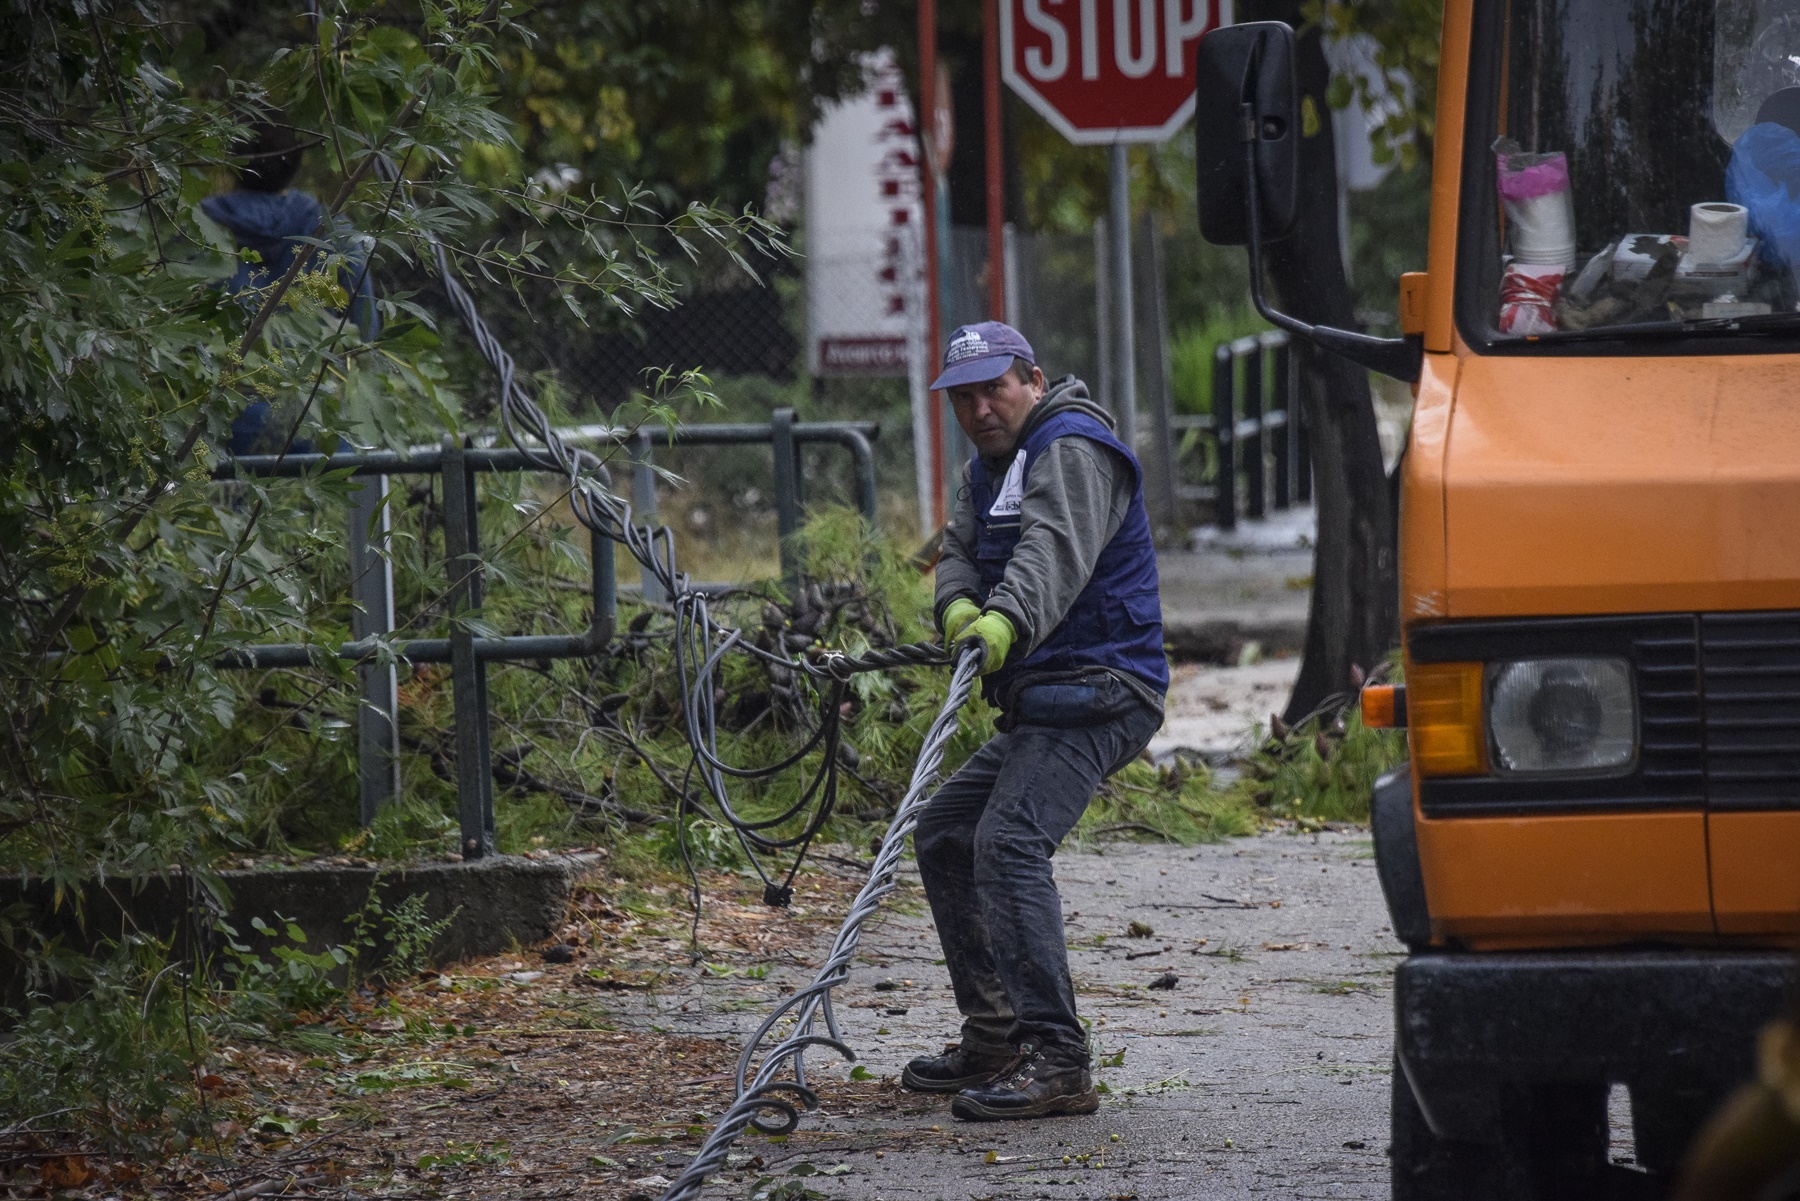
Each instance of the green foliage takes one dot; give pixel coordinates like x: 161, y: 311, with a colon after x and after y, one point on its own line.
x: 115, y: 1061
x: 838, y: 544
x: 1406, y: 35
x: 287, y: 979
x: 125, y: 572
x: 696, y: 98
x: 1191, y: 354
x: 1178, y: 803
x: 411, y: 826
x: 119, y: 1060
x: 709, y: 845
x: 392, y: 943
x: 1324, y: 770
x: 266, y: 988
x: 463, y: 1155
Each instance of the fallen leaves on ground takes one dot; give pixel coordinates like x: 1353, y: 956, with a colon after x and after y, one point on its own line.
x: 523, y: 1075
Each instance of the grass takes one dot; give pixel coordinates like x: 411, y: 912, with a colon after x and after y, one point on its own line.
x: 1191, y: 354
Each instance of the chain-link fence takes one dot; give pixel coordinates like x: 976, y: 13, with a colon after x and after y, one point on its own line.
x: 1050, y: 295
x: 751, y: 337
x: 736, y: 330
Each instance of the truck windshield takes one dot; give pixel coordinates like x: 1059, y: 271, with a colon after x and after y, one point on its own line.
x: 1632, y: 172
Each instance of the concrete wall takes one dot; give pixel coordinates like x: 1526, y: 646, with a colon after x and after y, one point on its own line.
x: 497, y: 902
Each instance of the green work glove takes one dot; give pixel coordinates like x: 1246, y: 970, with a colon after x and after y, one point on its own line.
x: 957, y: 615
x: 996, y: 634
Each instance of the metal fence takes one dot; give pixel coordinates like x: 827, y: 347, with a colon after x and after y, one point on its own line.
x: 460, y: 462
x: 782, y: 433
x: 732, y: 330
x: 1050, y: 296
x: 1251, y: 453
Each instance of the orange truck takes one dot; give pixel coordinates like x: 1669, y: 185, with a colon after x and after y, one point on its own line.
x: 1593, y: 854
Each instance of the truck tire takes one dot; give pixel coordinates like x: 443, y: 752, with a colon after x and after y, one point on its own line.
x: 1425, y: 1167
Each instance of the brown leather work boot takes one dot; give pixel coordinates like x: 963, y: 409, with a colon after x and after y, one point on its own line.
x: 957, y: 1068
x: 1039, y: 1084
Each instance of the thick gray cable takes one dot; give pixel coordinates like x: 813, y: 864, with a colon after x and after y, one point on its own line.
x: 763, y: 1092
x: 599, y: 509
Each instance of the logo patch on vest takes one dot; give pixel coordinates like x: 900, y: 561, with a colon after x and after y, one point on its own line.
x: 1012, y: 490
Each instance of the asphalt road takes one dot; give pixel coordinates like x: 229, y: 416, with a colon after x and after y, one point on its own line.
x: 1263, y: 1072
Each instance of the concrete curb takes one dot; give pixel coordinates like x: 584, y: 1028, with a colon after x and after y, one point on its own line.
x: 496, y: 902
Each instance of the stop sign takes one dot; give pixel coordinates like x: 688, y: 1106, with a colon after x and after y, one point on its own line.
x: 1106, y: 70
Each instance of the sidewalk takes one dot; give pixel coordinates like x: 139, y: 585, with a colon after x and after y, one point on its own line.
x: 1222, y: 713
x: 1248, y: 585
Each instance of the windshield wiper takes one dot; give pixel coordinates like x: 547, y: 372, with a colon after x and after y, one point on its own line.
x: 1695, y: 327
x: 1759, y: 323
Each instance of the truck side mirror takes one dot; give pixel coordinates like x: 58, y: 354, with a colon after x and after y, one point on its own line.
x: 1246, y: 95
x: 1247, y: 154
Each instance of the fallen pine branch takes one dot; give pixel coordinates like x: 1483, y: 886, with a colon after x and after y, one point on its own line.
x: 510, y: 772
x: 1140, y: 827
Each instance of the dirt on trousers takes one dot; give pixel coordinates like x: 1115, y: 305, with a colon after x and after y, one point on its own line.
x: 1239, y: 998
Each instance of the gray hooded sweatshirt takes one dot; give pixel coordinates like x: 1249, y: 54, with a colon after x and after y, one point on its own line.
x: 1076, y: 497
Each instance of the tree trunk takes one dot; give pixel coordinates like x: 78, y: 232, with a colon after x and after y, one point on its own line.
x: 1355, y: 585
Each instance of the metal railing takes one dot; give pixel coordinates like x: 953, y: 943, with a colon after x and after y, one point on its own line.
x: 467, y: 653
x: 460, y: 462
x: 1256, y: 430
x: 784, y: 434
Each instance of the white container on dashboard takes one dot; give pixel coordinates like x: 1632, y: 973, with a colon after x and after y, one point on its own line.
x: 1543, y: 229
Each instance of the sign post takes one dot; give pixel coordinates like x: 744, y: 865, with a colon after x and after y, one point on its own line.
x: 1110, y: 72
x: 1118, y: 180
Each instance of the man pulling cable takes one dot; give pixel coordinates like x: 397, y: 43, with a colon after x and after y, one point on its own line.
x: 1049, y: 562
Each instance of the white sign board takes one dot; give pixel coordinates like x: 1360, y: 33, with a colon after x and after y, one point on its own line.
x: 862, y: 230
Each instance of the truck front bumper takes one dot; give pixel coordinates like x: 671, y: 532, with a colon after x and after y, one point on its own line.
x: 1678, y: 1028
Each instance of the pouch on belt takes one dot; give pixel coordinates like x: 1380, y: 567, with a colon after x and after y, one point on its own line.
x: 1067, y: 701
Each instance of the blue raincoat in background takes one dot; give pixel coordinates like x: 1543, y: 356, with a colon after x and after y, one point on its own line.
x: 275, y: 225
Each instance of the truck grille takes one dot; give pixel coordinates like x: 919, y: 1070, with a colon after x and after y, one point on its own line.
x: 1750, y: 676
x: 1670, y: 764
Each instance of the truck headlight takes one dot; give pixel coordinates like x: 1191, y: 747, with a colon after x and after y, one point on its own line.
x: 1561, y: 715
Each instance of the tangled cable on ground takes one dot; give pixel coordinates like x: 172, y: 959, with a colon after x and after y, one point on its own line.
x: 763, y: 1093
x: 700, y: 645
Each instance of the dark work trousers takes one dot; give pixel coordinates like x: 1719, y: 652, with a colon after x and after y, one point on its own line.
x: 984, y: 845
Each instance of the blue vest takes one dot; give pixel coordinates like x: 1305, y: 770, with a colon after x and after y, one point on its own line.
x: 1116, y: 621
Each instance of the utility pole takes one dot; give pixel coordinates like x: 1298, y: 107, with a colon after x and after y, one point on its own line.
x: 930, y: 183
x: 996, y: 192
